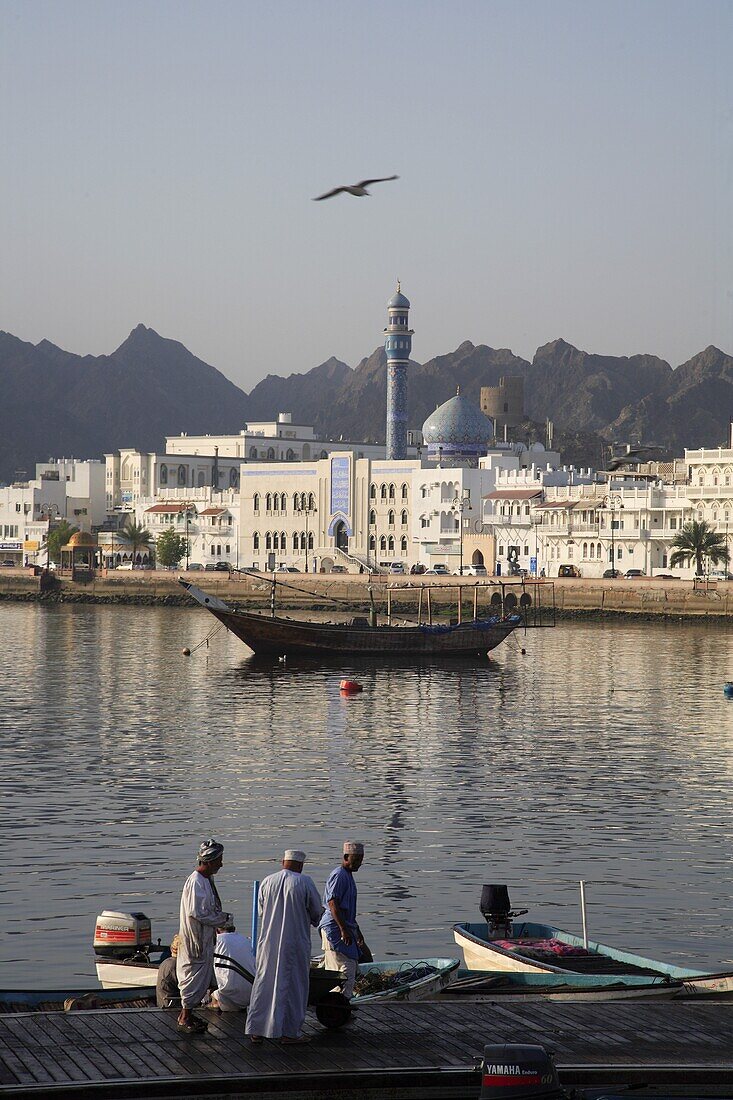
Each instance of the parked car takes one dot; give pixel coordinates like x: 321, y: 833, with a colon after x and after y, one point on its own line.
x: 125, y: 565
x: 568, y: 571
x: 210, y: 567
x: 612, y: 573
x: 665, y: 577
x: 339, y: 569
x: 717, y: 574
x: 8, y: 561
x: 417, y: 568
x: 223, y: 567
x: 287, y: 569
x: 194, y: 567
x: 633, y: 574
x: 397, y: 567
x: 474, y: 570
x: 438, y: 570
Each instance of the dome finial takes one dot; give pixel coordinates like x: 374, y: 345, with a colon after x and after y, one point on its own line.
x: 399, y: 288
x: 458, y: 391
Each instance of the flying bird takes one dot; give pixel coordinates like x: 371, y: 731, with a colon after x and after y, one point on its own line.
x: 357, y: 189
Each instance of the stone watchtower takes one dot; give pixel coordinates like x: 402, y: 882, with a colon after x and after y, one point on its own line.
x: 504, y: 404
x: 397, y: 345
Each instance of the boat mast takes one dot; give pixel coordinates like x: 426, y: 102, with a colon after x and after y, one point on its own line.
x: 272, y: 598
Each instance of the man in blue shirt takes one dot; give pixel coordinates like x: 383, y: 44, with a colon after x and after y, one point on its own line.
x: 340, y: 933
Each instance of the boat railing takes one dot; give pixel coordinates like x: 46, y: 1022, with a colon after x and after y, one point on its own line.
x: 532, y: 600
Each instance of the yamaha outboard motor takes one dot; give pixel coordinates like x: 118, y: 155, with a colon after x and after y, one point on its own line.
x: 497, y: 911
x: 515, y: 1071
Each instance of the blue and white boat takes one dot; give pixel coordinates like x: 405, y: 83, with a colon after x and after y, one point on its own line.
x: 527, y: 947
x: 501, y: 985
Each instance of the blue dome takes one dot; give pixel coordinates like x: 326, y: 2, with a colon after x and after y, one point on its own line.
x: 398, y: 301
x: 458, y: 427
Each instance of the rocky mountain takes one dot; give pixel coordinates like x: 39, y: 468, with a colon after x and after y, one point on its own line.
x: 53, y: 402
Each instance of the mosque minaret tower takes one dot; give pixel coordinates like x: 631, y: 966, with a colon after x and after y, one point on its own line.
x: 397, y: 345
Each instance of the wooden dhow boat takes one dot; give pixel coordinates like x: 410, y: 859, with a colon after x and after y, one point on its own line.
x: 509, y: 606
x: 501, y: 943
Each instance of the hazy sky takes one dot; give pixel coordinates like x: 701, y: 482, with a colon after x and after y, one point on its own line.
x: 566, y: 169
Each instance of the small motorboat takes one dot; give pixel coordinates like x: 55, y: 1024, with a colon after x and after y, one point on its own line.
x: 404, y: 980
x: 125, y: 958
x: 500, y: 943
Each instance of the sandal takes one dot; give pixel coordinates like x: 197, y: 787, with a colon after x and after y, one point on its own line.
x: 287, y: 1041
x: 255, y: 1038
x: 193, y: 1027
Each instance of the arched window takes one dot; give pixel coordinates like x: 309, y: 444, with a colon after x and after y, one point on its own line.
x: 585, y: 549
x: 163, y: 475
x: 268, y: 541
x: 390, y: 518
x: 296, y: 540
x: 372, y: 518
x: 256, y: 502
x: 390, y: 542
x: 302, y: 540
x: 182, y: 475
x: 284, y: 541
x: 310, y: 540
x: 275, y: 502
x: 270, y: 454
x: 404, y: 517
x: 306, y: 452
x: 372, y: 542
x: 268, y: 502
x: 253, y: 452
x: 383, y: 543
x: 275, y: 541
x: 598, y: 550
x: 405, y: 491
x: 324, y: 454
x: 233, y: 478
x: 372, y: 492
x: 391, y: 492
x: 311, y: 502
x: 383, y: 492
x: 256, y: 540
x: 283, y: 503
x: 295, y: 502
x: 202, y: 479
x: 290, y: 456
x: 403, y: 544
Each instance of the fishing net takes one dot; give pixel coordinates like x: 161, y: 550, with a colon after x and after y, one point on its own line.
x: 370, y: 980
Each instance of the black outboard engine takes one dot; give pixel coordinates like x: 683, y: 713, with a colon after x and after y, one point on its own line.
x: 497, y: 911
x: 515, y: 1071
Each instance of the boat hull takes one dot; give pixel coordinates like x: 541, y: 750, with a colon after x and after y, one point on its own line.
x: 480, y: 953
x: 278, y: 636
x: 483, y: 985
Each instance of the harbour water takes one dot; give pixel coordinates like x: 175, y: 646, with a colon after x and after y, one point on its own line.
x: 603, y: 753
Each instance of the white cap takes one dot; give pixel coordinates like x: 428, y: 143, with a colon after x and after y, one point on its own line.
x: 294, y: 855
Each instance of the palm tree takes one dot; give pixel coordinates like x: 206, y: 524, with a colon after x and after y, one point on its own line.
x: 137, y: 535
x: 56, y: 537
x: 700, y: 541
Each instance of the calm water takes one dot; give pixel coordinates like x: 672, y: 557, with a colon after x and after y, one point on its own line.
x: 606, y: 752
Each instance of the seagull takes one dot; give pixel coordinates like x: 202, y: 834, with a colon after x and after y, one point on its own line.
x: 357, y: 189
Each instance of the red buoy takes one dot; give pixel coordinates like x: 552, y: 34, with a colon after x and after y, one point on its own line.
x: 350, y: 687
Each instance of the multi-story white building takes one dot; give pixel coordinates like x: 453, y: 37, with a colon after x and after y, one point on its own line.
x: 69, y: 489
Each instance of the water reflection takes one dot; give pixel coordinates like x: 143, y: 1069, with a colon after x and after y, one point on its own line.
x: 603, y: 753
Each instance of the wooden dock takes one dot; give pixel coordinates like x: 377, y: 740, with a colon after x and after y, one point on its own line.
x: 426, y: 1050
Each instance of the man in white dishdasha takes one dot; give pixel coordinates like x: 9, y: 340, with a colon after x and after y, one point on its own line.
x: 289, y: 906
x: 200, y: 916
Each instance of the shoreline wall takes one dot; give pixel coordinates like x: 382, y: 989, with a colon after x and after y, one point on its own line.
x: 573, y: 598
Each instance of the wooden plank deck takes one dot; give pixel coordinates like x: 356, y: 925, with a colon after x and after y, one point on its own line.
x: 397, y: 1050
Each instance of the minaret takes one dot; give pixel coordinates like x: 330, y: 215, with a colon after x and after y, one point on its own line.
x: 397, y: 345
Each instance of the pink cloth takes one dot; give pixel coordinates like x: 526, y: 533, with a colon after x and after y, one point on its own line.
x: 550, y: 947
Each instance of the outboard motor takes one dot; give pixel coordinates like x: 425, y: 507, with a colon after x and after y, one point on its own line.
x: 497, y: 911
x: 120, y: 935
x: 515, y: 1071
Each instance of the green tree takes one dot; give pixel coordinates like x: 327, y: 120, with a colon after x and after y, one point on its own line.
x: 170, y: 548
x: 138, y: 536
x: 57, y: 537
x: 700, y: 541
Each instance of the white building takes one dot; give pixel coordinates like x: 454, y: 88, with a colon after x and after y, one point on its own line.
x: 69, y: 489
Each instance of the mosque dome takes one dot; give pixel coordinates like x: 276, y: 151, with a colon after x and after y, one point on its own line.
x: 82, y: 539
x: 398, y: 300
x: 459, y: 428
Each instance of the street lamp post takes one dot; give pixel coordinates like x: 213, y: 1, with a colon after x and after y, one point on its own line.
x: 48, y: 511
x: 306, y: 510
x: 612, y: 504
x: 188, y: 546
x: 536, y: 522
x: 462, y: 504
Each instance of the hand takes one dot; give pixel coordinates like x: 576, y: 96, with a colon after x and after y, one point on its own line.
x: 346, y: 936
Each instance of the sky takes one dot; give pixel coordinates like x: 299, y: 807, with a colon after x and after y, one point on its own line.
x: 566, y: 170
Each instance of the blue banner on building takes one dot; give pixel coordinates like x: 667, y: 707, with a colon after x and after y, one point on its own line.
x: 340, y: 491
